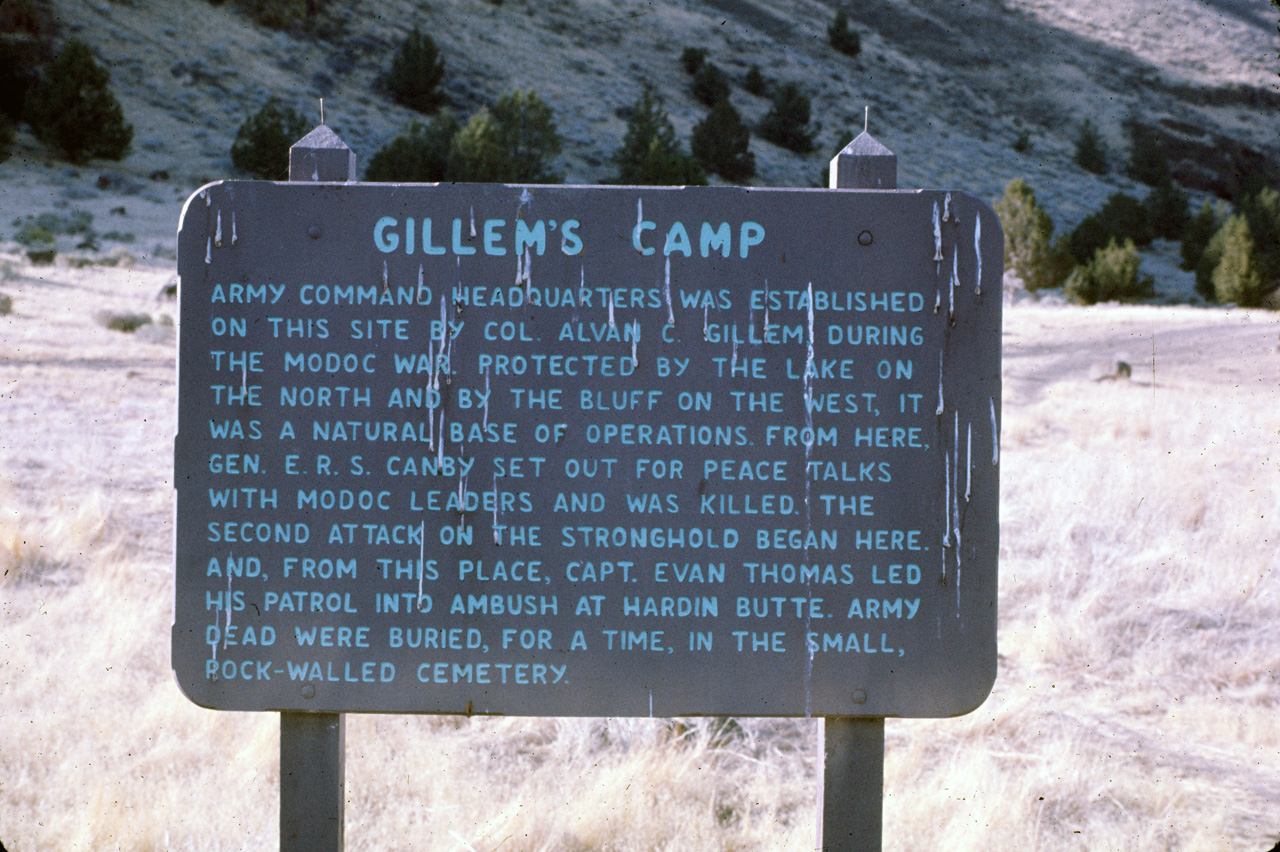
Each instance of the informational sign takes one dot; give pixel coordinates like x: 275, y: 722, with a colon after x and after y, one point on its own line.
x: 587, y: 451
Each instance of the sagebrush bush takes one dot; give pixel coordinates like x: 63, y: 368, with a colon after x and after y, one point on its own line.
x: 1029, y: 248
x: 6, y: 304
x: 1122, y: 218
x: 262, y: 143
x: 416, y: 71
x: 73, y: 110
x: 419, y: 155
x: 710, y: 84
x: 1111, y: 275
x: 721, y: 143
x: 1090, y: 154
x: 515, y: 141
x: 843, y: 39
x: 650, y: 154
x: 787, y: 122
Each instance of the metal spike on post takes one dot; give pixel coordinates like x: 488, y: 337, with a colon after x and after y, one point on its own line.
x: 864, y: 164
x: 313, y: 745
x: 851, y: 749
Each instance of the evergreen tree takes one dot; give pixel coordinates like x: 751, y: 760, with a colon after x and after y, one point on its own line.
x: 754, y: 81
x: 787, y: 122
x: 415, y: 74
x: 710, y: 84
x: 1167, y: 211
x: 6, y: 137
x: 1029, y: 249
x: 1238, y: 277
x: 513, y: 142
x: 1147, y: 161
x: 1262, y: 209
x: 650, y: 154
x: 1122, y: 218
x: 843, y: 39
x: 419, y: 155
x: 720, y: 143
x: 1196, y: 235
x: 1090, y: 153
x: 1110, y: 275
x: 73, y: 110
x: 262, y: 143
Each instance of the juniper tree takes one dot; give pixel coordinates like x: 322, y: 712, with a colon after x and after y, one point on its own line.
x: 261, y: 146
x: 1111, y: 275
x: 1238, y: 276
x: 710, y: 84
x: 720, y: 142
x: 1147, y: 161
x: 73, y: 110
x: 415, y: 74
x: 1029, y: 249
x: 650, y: 155
x: 1090, y: 153
x: 787, y: 122
x: 419, y: 155
x: 843, y: 39
x: 512, y: 142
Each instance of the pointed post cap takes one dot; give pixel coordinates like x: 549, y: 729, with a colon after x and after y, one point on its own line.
x: 864, y: 164
x: 321, y: 155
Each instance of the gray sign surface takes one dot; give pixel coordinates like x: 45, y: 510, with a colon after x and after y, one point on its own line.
x: 587, y: 450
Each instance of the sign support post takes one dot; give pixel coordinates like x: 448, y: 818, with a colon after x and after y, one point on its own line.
x: 851, y: 748
x: 313, y: 745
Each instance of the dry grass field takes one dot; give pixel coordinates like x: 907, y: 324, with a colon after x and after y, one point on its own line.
x: 1136, y: 708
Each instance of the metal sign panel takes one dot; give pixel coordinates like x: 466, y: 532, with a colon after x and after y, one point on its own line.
x: 587, y: 450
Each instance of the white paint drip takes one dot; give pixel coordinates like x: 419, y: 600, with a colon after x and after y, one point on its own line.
x: 946, y: 488
x: 995, y: 434
x: 422, y: 556
x: 635, y: 343
x: 440, y: 443
x: 955, y: 282
x: 766, y: 303
x: 940, y: 404
x: 204, y: 193
x: 937, y: 235
x: 977, y: 251
x: 485, y: 422
x: 612, y: 324
x: 244, y: 379
x: 473, y: 221
x: 233, y: 228
x: 666, y: 290
x: 418, y: 296
x: 217, y: 234
x: 528, y: 274
x: 525, y: 196
x: 706, y: 332
x: 208, y: 251
x: 968, y: 458
x: 955, y: 483
x: 946, y: 208
x: 495, y: 510
x: 315, y: 171
x: 386, y: 285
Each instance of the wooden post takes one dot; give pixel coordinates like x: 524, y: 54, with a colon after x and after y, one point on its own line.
x: 313, y: 745
x: 851, y: 748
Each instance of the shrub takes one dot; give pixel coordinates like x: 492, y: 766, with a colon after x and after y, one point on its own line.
x: 1111, y: 275
x: 1262, y: 209
x: 278, y: 14
x: 73, y: 110
x: 692, y: 58
x: 1029, y: 249
x: 650, y: 154
x: 513, y: 142
x: 787, y: 122
x: 1238, y: 276
x: 419, y: 155
x: 720, y: 143
x: 843, y: 39
x: 415, y: 74
x: 754, y: 82
x: 1090, y: 153
x: 1123, y: 217
x: 1167, y: 211
x: 18, y: 75
x: 126, y: 321
x: 1196, y: 235
x: 1022, y: 144
x: 1147, y: 161
x: 710, y: 84
x: 262, y: 143
x: 6, y: 305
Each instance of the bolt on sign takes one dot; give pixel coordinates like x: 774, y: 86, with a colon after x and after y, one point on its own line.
x: 587, y: 451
